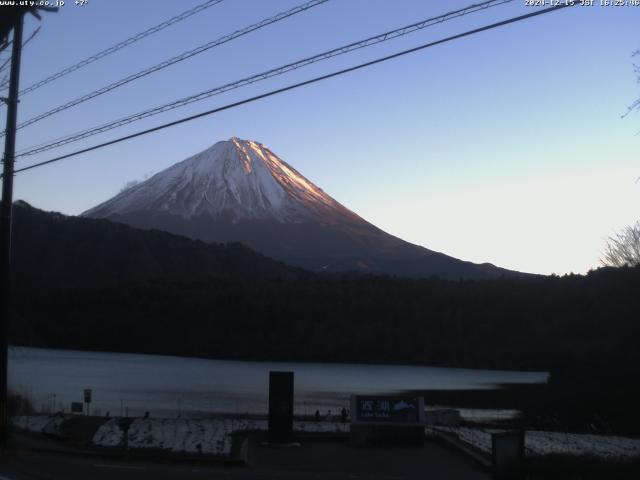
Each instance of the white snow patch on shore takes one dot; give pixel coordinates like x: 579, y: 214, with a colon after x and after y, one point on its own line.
x: 197, y: 436
x: 540, y: 443
x: 321, y: 427
x: 30, y: 423
x: 49, y: 424
x: 109, y: 434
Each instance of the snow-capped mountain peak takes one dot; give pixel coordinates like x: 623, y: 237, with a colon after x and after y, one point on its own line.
x: 237, y: 179
x: 240, y: 191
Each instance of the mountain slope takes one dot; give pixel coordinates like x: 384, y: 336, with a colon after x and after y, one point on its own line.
x: 55, y: 251
x: 239, y: 190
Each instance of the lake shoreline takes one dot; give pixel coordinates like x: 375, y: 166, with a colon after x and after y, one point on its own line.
x: 129, y: 383
x: 260, y: 359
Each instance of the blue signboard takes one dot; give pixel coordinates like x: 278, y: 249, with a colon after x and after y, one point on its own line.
x: 387, y: 409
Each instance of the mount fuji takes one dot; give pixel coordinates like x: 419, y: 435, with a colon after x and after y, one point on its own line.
x: 239, y: 190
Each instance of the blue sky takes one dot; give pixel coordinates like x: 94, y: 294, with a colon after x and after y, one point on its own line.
x: 507, y: 146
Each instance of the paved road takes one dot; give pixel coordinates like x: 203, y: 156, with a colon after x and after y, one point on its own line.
x: 331, y: 461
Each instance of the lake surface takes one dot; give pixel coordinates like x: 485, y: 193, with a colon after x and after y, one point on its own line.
x: 169, y: 386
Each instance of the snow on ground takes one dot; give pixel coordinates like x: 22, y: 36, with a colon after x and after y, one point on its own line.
x: 109, y: 434
x: 320, y: 427
x: 538, y: 443
x: 49, y: 424
x: 182, y: 435
x: 213, y: 436
x: 32, y: 424
x: 206, y: 436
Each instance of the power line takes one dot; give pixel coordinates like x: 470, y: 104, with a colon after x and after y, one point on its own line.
x: 24, y: 44
x: 300, y: 84
x: 383, y: 37
x: 3, y: 46
x: 179, y: 58
x: 125, y: 43
x: 5, y: 81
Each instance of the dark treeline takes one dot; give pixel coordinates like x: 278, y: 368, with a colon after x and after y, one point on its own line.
x: 582, y: 329
x: 55, y: 251
x: 536, y: 324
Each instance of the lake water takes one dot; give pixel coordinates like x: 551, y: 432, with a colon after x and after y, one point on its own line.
x: 168, y: 386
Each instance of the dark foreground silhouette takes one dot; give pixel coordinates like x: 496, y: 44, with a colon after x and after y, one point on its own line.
x: 96, y: 285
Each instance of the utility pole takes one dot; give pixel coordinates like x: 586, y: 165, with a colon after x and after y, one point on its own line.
x: 12, y: 19
x: 5, y: 221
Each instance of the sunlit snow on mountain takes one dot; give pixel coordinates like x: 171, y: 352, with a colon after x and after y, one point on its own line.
x: 239, y: 190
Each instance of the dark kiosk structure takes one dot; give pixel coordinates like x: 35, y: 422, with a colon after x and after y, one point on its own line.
x: 280, y: 407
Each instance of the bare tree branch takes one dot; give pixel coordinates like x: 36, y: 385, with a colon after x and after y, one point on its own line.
x: 636, y: 68
x: 623, y: 248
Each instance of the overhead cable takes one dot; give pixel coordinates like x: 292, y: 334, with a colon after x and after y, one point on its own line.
x: 300, y: 84
x: 383, y: 37
x: 125, y: 43
x: 179, y: 58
